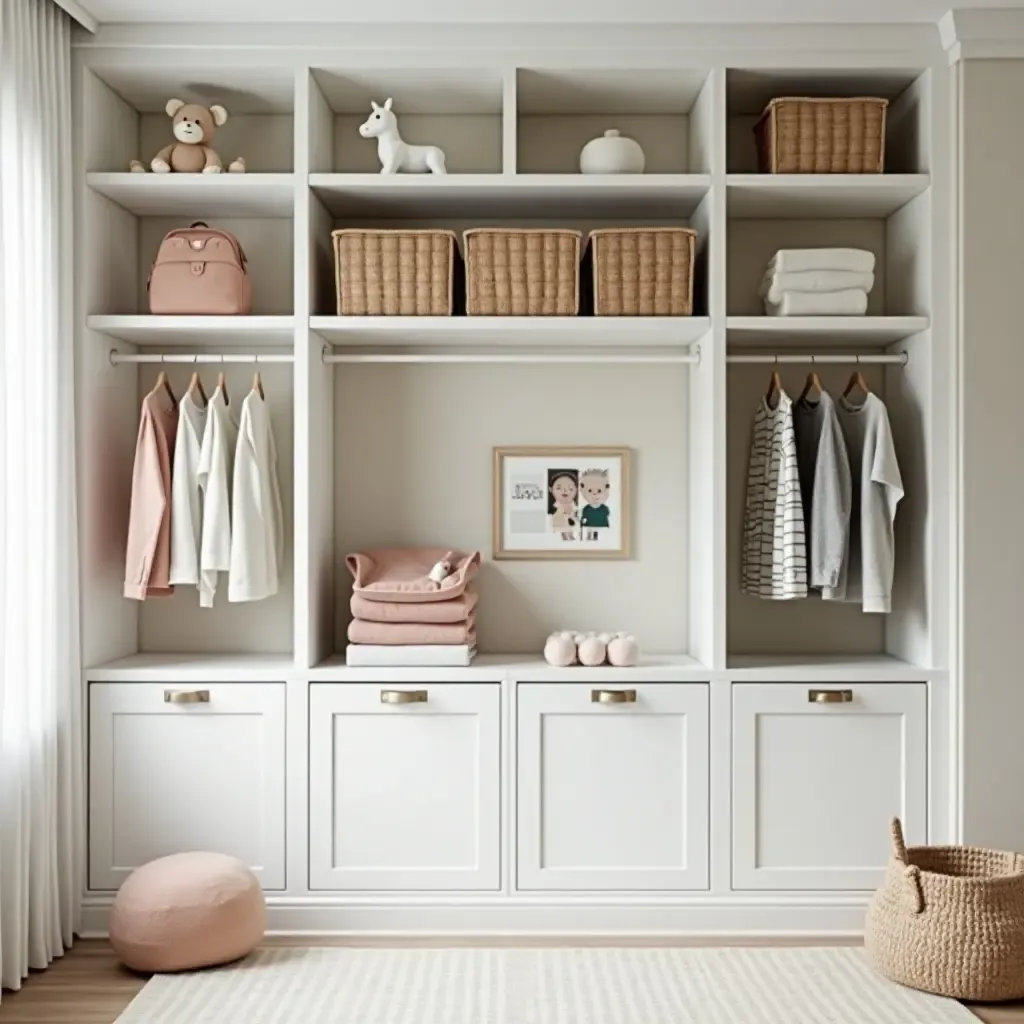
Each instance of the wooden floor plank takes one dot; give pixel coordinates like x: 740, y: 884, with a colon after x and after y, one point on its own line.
x: 89, y: 986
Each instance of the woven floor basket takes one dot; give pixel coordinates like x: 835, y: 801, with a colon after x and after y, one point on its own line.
x: 395, y: 273
x: 796, y: 135
x: 950, y: 920
x: 639, y: 271
x: 522, y: 272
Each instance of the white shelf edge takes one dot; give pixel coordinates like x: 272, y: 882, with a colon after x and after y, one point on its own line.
x: 518, y: 668
x: 240, y: 195
x: 485, y: 331
x: 507, y: 182
x: 838, y: 182
x: 193, y: 668
x: 811, y: 668
x: 148, y: 329
x: 880, y: 329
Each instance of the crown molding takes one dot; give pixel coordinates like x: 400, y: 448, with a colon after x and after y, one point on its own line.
x: 983, y: 33
x: 80, y: 13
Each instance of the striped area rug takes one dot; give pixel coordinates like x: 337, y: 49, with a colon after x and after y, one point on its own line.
x: 540, y: 986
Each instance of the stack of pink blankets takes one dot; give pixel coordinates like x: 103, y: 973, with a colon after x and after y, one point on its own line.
x: 408, y: 611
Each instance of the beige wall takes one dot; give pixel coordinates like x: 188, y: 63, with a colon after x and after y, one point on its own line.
x: 992, y: 252
x: 391, y: 489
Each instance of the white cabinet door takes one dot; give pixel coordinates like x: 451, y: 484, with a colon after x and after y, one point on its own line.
x: 818, y: 771
x: 404, y: 786
x: 170, y: 773
x: 612, y: 795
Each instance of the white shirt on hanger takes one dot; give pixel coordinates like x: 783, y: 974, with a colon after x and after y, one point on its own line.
x: 215, y: 468
x: 877, y: 490
x: 257, y: 534
x: 186, y: 503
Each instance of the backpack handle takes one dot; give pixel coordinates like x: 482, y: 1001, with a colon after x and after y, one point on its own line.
x: 198, y: 224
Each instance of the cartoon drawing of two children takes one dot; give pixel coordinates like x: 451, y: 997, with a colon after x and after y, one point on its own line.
x: 565, y: 488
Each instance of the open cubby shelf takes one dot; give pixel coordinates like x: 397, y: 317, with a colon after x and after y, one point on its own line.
x: 381, y: 454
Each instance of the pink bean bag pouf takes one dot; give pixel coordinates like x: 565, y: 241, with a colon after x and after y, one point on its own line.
x: 186, y: 911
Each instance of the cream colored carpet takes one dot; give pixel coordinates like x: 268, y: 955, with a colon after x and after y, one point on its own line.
x: 540, y: 986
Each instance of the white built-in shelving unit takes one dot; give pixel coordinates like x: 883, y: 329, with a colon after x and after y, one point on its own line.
x: 385, y: 428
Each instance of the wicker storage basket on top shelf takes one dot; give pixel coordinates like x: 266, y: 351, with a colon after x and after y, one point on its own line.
x: 798, y: 135
x: 950, y: 920
x: 522, y: 272
x: 396, y: 273
x: 639, y: 272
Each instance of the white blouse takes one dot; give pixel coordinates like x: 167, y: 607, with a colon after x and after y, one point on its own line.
x: 186, y: 503
x: 215, y: 467
x: 257, y: 534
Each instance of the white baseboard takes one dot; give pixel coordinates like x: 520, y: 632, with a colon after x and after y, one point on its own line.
x: 730, y: 916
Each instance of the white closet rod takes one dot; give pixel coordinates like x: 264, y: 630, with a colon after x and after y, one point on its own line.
x: 117, y: 358
x: 492, y: 357
x: 897, y: 360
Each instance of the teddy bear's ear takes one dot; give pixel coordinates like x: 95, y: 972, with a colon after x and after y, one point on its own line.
x: 387, y: 103
x: 220, y: 115
x: 173, y: 106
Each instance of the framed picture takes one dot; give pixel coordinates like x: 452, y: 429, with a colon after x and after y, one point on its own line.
x: 556, y: 502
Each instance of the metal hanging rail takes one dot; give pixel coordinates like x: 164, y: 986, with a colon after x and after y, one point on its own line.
x: 589, y: 359
x: 117, y: 358
x: 900, y: 359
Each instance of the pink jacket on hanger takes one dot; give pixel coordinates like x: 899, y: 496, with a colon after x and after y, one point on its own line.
x: 148, y: 559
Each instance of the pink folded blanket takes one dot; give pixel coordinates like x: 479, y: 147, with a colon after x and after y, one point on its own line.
x: 458, y: 609
x: 402, y: 574
x: 401, y: 633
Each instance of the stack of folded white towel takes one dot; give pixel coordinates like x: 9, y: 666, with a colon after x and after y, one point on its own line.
x: 818, y: 282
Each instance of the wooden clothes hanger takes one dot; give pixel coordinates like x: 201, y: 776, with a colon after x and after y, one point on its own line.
x: 223, y: 385
x: 257, y: 384
x: 194, y: 385
x: 813, y: 383
x: 774, y: 388
x: 162, y: 383
x: 856, y: 381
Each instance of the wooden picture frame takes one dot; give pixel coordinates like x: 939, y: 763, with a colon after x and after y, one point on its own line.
x: 573, y: 503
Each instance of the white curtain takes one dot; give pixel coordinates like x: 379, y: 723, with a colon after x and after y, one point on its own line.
x: 41, y: 763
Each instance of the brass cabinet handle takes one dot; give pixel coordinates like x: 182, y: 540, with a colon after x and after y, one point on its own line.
x: 186, y: 696
x: 830, y: 696
x: 403, y: 696
x: 613, y: 696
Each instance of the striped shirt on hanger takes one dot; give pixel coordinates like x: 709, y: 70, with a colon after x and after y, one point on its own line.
x: 774, y: 559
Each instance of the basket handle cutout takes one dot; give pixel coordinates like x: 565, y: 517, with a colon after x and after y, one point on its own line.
x: 899, y: 847
x: 913, y: 893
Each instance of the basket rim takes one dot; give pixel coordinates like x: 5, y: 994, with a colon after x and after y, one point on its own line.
x: 338, y: 232
x: 522, y: 231
x: 643, y: 231
x: 1010, y: 878
x: 775, y: 100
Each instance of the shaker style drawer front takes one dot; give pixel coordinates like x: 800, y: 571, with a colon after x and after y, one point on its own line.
x: 817, y: 772
x: 190, y: 767
x: 405, y: 786
x: 612, y: 786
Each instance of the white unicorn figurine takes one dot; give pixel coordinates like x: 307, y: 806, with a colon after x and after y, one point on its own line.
x: 394, y: 154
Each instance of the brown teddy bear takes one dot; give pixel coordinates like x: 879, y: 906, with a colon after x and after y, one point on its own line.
x: 193, y: 126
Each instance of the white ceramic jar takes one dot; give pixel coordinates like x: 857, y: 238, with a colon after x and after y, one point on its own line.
x: 612, y: 154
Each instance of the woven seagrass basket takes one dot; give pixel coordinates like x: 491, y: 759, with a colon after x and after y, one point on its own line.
x: 950, y: 920
x: 799, y: 135
x: 396, y: 273
x: 522, y: 272
x: 639, y: 271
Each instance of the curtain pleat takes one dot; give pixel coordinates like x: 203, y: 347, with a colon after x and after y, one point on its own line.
x: 41, y: 728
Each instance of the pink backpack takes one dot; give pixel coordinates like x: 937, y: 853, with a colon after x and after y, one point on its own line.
x: 200, y: 271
